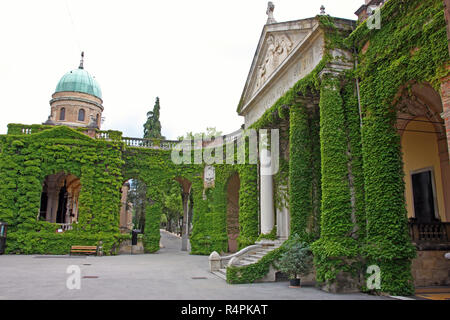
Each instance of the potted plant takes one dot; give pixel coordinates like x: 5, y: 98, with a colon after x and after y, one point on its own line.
x: 296, y: 261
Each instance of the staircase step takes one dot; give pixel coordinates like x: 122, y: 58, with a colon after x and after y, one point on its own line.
x: 257, y: 255
x: 220, y: 275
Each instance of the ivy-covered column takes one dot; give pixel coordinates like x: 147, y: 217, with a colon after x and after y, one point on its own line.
x: 300, y: 171
x: 336, y: 252
x: 388, y: 244
x: 152, y: 235
x: 248, y: 205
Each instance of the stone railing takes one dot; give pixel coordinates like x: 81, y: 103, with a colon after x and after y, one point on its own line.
x: 216, y: 262
x: 65, y: 226
x: 430, y: 236
x: 19, y: 129
x: 103, y: 135
x: 149, y: 143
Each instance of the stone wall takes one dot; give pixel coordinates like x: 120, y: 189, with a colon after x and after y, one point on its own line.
x: 73, y: 102
x: 127, y: 248
x: 430, y: 268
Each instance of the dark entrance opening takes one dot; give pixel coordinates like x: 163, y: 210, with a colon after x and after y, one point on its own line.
x: 424, y: 198
x: 62, y: 205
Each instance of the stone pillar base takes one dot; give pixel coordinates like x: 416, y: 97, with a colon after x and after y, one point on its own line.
x: 344, y: 283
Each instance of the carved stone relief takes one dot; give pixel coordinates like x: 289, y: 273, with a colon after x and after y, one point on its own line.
x: 278, y: 48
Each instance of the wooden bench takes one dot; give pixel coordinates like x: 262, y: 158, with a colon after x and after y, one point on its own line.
x: 83, y: 249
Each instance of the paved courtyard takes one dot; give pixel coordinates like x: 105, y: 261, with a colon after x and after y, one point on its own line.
x: 170, y: 274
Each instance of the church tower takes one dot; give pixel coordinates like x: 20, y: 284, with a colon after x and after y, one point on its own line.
x: 77, y: 101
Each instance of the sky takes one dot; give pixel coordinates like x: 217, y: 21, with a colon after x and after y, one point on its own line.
x: 194, y: 55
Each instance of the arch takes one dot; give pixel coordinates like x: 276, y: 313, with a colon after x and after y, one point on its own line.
x: 232, y: 190
x: 81, y: 115
x: 425, y: 151
x: 134, y: 202
x: 60, y: 199
x: 186, y: 197
x: 420, y: 100
x: 62, y: 114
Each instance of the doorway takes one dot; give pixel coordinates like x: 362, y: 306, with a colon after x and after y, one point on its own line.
x: 424, y: 196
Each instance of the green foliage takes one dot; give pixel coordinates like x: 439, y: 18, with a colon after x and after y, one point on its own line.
x: 211, y: 132
x: 26, y: 160
x: 338, y: 241
x: 152, y: 127
x: 256, y: 271
x: 137, y: 198
x: 297, y: 260
x: 410, y: 48
x: 304, y: 177
x: 270, y: 236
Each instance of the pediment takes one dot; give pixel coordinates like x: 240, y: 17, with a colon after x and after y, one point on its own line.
x: 277, y: 43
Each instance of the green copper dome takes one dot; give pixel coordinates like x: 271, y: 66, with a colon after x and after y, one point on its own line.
x: 79, y: 80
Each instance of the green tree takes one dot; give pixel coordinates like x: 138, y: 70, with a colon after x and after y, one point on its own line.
x: 172, y: 205
x: 152, y: 127
x: 137, y: 197
x: 210, y: 132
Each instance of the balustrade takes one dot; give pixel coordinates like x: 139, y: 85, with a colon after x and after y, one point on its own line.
x: 437, y: 232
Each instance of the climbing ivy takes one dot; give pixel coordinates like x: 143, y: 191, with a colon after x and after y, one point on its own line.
x: 26, y: 160
x: 336, y: 240
x: 411, y: 47
x: 210, y: 209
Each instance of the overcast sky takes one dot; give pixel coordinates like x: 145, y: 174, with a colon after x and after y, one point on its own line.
x: 194, y: 54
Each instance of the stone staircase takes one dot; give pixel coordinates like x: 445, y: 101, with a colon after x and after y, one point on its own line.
x: 247, y: 256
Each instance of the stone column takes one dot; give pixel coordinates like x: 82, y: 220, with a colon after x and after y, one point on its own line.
x: 445, y: 95
x: 68, y: 218
x: 336, y: 218
x: 447, y: 19
x: 52, y: 204
x: 185, y: 228
x: 283, y: 222
x: 266, y: 189
x: 445, y: 175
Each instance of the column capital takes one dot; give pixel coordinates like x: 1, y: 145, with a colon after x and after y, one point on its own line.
x: 335, y: 69
x: 308, y: 100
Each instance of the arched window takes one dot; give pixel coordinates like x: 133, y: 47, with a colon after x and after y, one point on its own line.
x: 62, y: 114
x: 81, y: 115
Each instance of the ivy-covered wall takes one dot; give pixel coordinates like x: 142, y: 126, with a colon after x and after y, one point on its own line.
x: 27, y: 157
x: 363, y: 215
x: 25, y: 161
x: 411, y: 47
x: 210, y: 208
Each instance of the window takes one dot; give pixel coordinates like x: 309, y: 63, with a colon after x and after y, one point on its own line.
x: 81, y: 115
x: 62, y: 114
x: 97, y: 119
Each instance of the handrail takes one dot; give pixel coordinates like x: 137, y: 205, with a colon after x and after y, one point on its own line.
x: 217, y: 262
x: 241, y: 252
